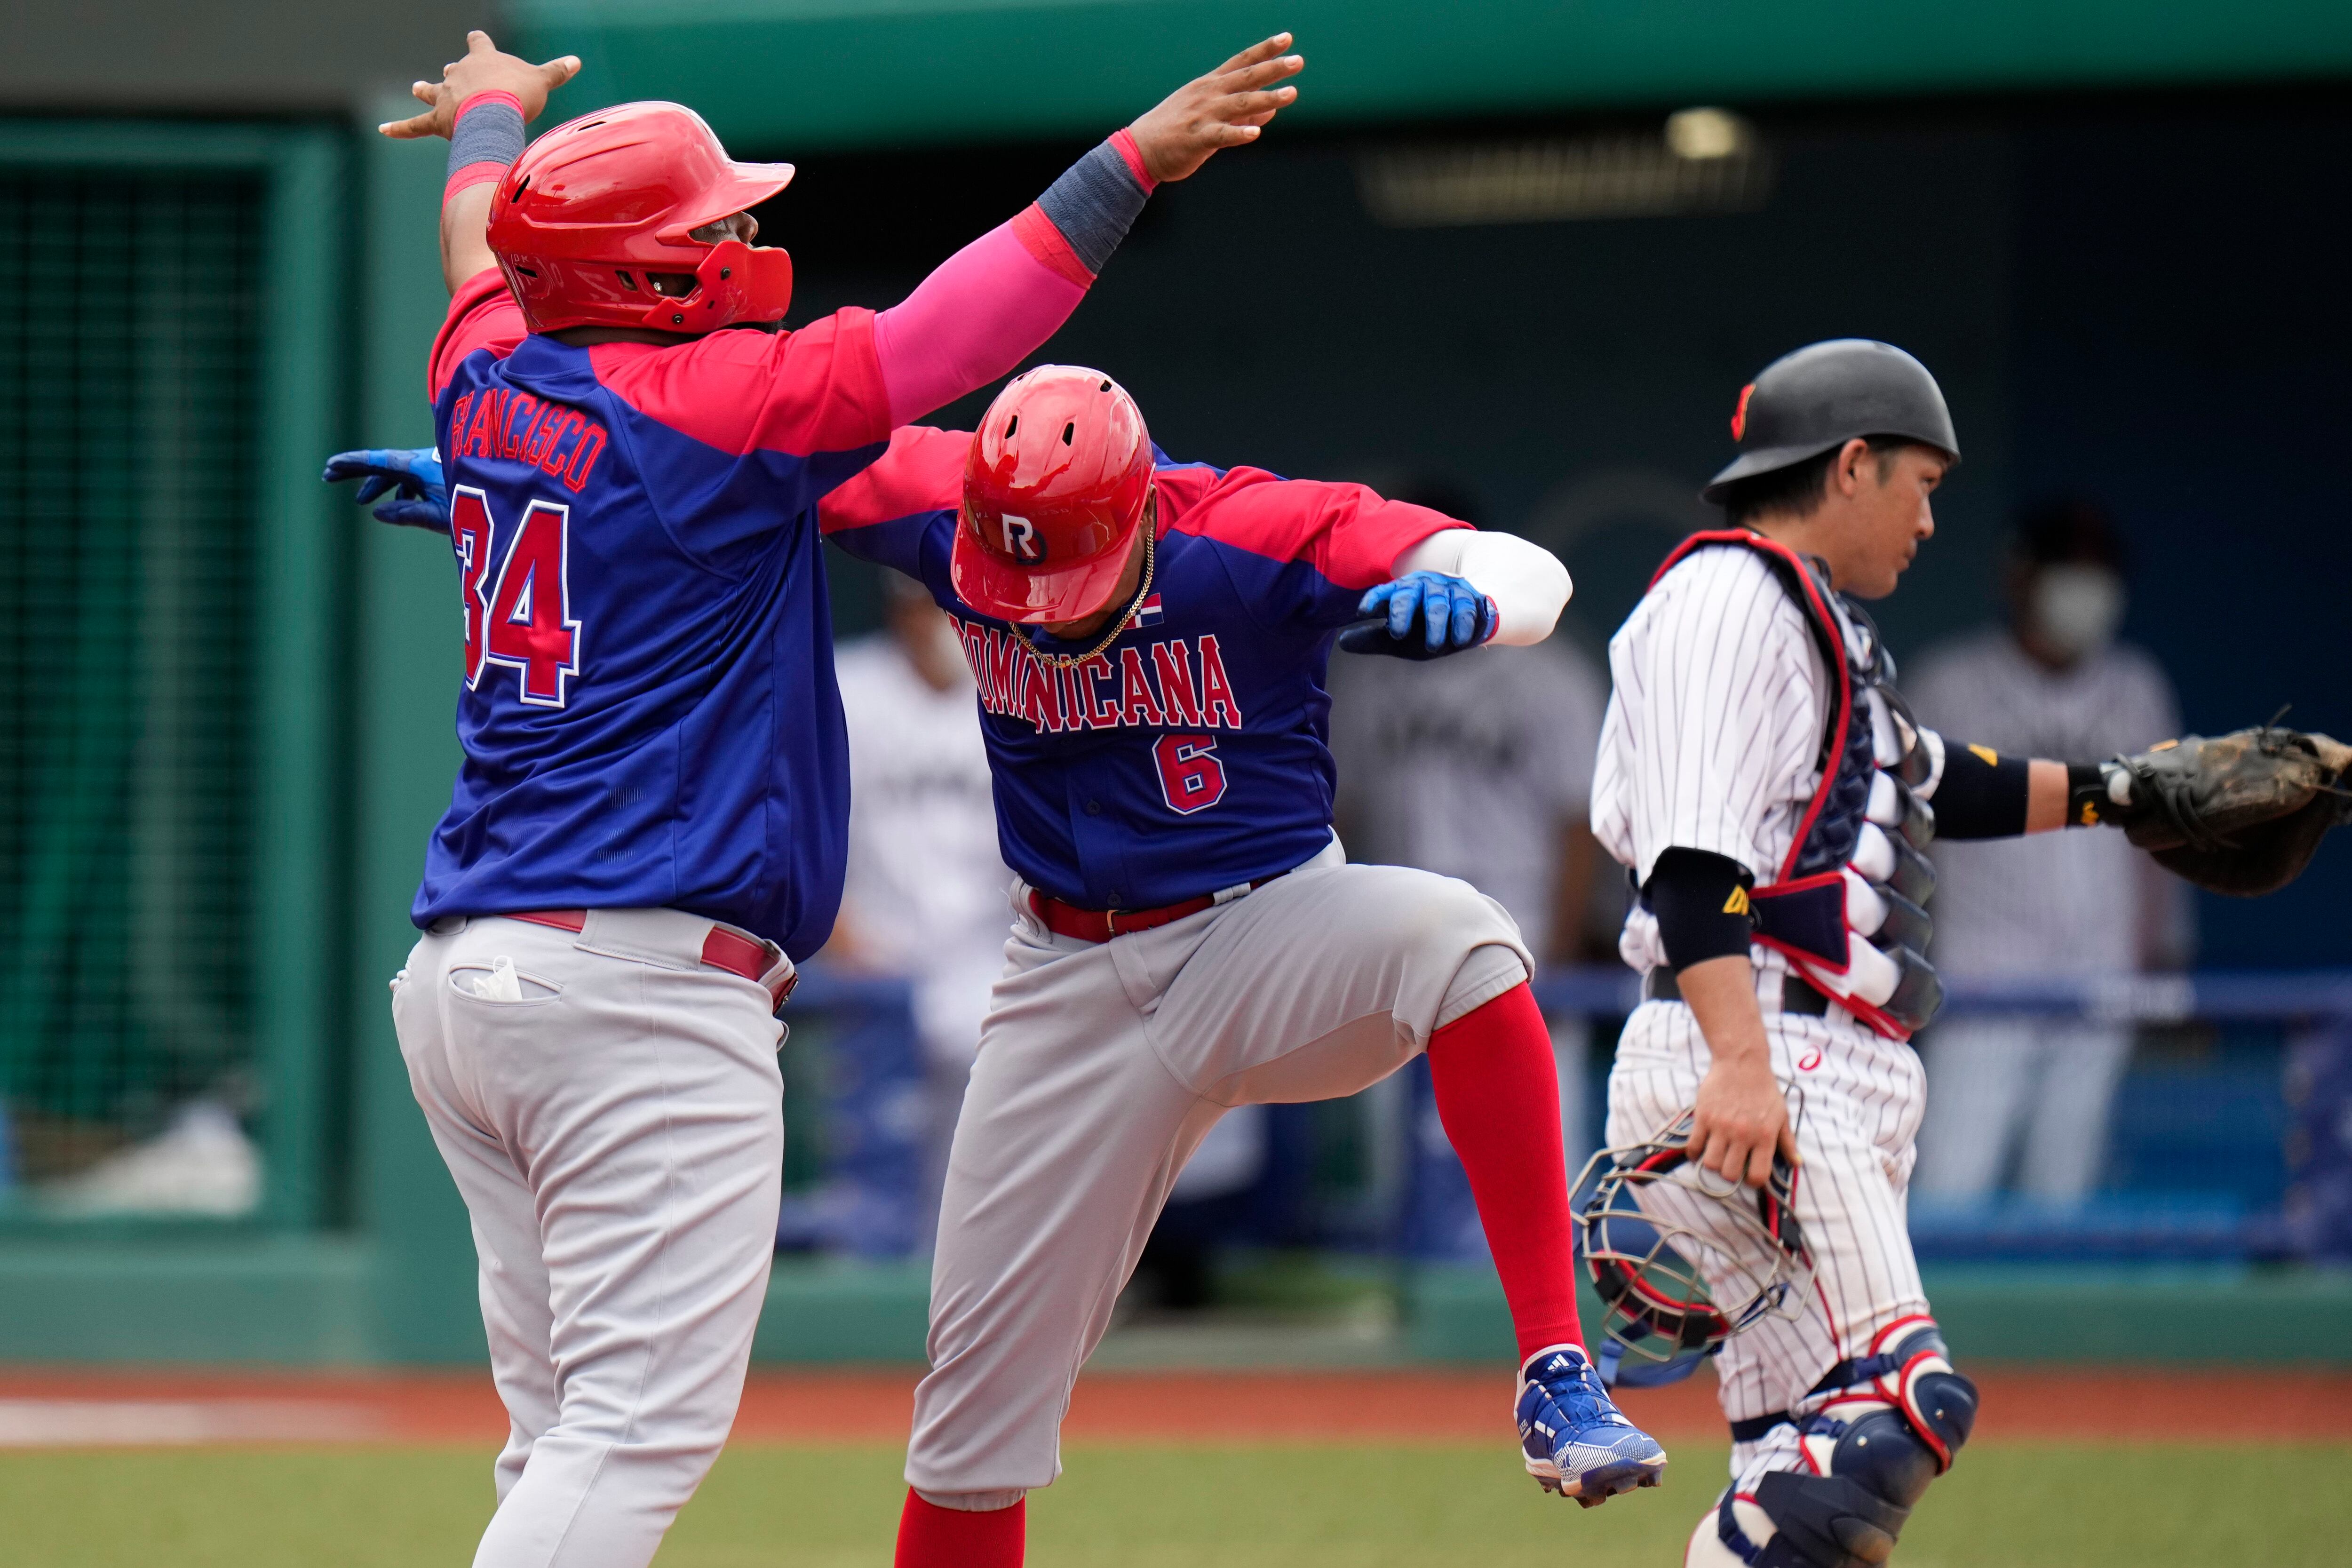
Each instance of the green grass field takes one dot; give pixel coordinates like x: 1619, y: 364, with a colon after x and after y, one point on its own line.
x: 2014, y: 1505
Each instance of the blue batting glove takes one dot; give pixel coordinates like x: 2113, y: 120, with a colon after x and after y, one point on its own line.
x: 1454, y: 615
x: 420, y: 498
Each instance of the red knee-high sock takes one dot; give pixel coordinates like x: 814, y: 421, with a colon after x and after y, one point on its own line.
x: 1498, y: 1094
x: 930, y: 1536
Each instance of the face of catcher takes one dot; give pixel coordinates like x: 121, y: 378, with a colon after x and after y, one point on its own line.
x: 1873, y: 516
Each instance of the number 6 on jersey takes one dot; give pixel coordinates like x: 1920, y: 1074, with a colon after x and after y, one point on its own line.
x: 524, y: 621
x: 1190, y: 777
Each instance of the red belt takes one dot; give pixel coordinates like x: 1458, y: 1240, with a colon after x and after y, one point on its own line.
x: 722, y: 948
x: 1101, y: 925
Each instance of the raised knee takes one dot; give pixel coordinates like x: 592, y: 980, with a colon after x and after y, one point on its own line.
x: 1455, y: 907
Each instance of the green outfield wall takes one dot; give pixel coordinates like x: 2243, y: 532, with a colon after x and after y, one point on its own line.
x: 831, y: 73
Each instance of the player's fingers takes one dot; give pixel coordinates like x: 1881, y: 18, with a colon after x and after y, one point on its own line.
x: 1403, y: 605
x: 1759, y: 1163
x: 1246, y: 105
x: 1728, y: 1158
x: 1264, y: 74
x: 556, y: 72
x: 372, y: 487
x: 1436, y: 614
x: 1264, y: 50
x: 1465, y: 620
x: 424, y: 92
x: 1786, y: 1144
x: 414, y: 514
x: 477, y: 42
x: 407, y: 130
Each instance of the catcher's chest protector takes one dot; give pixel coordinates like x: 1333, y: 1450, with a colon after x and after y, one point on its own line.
x: 1846, y: 908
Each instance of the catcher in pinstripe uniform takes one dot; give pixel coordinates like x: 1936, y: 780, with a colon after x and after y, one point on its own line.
x: 1772, y: 797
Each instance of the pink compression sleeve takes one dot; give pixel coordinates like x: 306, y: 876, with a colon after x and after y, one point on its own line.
x: 984, y: 310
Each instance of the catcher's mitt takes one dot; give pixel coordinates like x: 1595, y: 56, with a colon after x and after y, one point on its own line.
x: 2240, y: 814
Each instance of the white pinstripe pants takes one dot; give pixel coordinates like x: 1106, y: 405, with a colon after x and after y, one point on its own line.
x: 1858, y: 1099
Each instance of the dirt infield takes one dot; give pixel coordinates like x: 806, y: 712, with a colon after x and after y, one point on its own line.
x: 47, y: 1407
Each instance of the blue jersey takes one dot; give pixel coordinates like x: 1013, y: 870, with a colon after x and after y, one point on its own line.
x: 1189, y: 755
x: 648, y: 712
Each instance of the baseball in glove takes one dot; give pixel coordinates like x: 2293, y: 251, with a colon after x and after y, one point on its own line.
x: 2241, y: 814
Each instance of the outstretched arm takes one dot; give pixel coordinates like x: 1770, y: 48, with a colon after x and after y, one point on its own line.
x: 480, y: 104
x: 996, y: 301
x: 1984, y: 794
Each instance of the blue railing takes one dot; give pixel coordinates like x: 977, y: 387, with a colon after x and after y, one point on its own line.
x: 2238, y: 1146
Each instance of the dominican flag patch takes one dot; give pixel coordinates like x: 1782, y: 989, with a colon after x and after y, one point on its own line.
x: 1147, y: 614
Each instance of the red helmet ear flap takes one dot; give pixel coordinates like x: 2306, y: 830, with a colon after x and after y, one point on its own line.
x: 596, y: 204
x: 735, y: 282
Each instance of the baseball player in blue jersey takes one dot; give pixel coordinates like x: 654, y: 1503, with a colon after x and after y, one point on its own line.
x: 1149, y: 640
x: 647, y: 828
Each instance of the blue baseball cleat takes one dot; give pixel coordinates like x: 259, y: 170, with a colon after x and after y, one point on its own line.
x: 1576, y: 1441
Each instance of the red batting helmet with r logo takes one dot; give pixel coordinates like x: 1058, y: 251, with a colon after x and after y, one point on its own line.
x: 1053, y: 494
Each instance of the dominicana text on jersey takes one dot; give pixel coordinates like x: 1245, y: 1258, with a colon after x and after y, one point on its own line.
x: 1188, y: 754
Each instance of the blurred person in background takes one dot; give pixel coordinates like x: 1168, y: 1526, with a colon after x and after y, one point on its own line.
x: 1481, y: 768
x: 2017, y: 1090
x: 925, y: 891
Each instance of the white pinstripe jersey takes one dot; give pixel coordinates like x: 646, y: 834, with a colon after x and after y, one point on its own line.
x: 1713, y: 736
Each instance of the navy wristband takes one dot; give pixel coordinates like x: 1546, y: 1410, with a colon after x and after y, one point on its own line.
x: 1982, y: 794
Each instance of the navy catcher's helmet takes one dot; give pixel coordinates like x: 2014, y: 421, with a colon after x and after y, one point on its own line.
x: 1646, y: 1220
x: 1825, y: 395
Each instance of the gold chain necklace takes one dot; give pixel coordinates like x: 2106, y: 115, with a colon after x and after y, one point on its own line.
x: 1117, y: 625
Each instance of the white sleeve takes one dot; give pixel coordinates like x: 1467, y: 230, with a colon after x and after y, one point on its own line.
x: 1526, y: 582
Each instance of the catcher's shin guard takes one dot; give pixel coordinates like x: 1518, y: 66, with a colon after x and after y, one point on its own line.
x: 1877, y: 1430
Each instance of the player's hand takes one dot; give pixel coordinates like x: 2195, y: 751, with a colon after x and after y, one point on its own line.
x: 420, y: 496
x: 1226, y: 108
x: 484, y: 69
x: 1741, y: 1120
x: 1421, y: 614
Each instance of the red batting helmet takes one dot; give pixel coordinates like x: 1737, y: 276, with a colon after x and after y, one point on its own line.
x: 1053, y: 493
x: 589, y: 226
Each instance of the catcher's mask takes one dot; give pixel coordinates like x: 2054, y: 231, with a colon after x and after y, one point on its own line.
x: 1644, y: 1218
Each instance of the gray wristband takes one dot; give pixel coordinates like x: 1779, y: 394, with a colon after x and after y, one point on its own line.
x: 1093, y: 203
x: 488, y: 130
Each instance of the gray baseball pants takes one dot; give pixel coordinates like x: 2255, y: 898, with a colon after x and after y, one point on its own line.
x: 617, y: 1133
x: 1101, y: 1068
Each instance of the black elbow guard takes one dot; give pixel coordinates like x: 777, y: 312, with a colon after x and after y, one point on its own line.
x: 1700, y: 901
x: 1982, y: 794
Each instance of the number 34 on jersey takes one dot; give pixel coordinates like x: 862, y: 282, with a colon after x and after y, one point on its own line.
x: 518, y: 614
